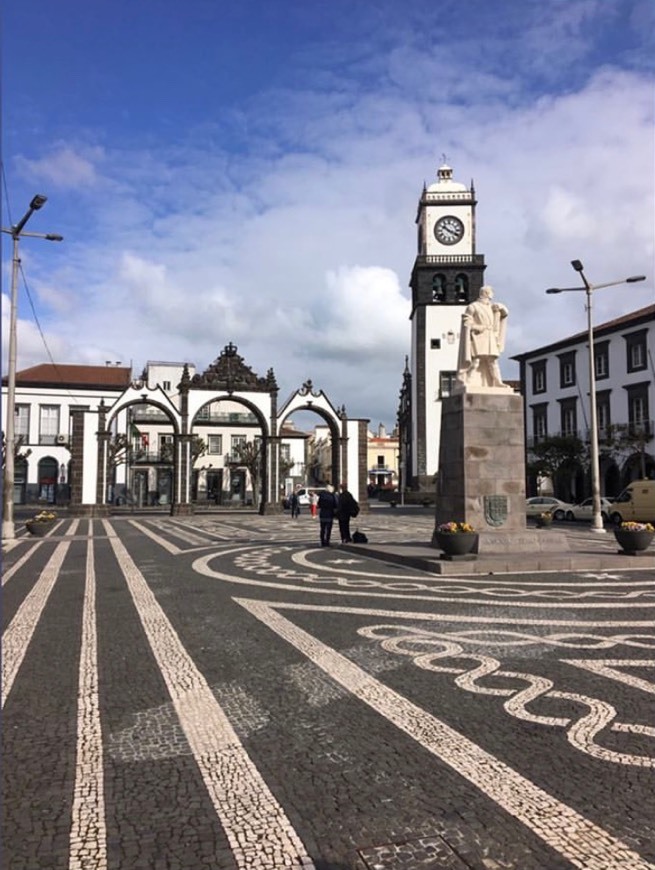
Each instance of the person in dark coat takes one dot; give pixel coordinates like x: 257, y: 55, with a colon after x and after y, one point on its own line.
x: 348, y: 508
x: 294, y: 505
x: 327, y: 507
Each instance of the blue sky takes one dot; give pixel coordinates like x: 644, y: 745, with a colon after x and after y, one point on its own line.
x: 249, y: 172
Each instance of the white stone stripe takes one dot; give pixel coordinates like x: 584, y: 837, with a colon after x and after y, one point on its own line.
x: 202, y: 566
x: 308, y: 559
x: 613, y: 670
x: 9, y: 573
x: 426, y: 616
x: 255, y: 824
x: 88, y: 837
x: 563, y: 829
x: 166, y: 545
x: 18, y: 635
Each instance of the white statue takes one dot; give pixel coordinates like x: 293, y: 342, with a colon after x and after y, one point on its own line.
x: 481, y: 342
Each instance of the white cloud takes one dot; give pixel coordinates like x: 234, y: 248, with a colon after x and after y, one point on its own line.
x: 63, y: 167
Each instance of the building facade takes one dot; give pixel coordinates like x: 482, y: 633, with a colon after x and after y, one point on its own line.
x: 45, y: 396
x: 98, y: 436
x: 447, y: 275
x: 555, y: 387
x: 382, y: 450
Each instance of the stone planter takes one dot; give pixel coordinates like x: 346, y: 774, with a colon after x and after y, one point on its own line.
x: 39, y: 529
x: 632, y: 543
x: 457, y: 545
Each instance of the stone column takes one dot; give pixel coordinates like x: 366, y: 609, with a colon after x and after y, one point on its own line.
x: 180, y: 503
x: 76, y: 470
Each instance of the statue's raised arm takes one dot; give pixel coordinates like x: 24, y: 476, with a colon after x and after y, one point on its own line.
x: 482, y: 340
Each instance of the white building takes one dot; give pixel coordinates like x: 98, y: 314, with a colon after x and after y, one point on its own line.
x: 45, y: 396
x: 555, y: 387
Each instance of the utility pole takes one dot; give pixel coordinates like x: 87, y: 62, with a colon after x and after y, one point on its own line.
x: 15, y: 231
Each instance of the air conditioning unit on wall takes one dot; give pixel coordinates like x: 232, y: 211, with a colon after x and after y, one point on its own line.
x: 62, y: 439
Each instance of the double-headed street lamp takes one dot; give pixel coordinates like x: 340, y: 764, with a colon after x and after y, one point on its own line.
x: 15, y: 231
x: 597, y: 520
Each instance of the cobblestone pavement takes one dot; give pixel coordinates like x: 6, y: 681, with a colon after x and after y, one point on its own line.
x: 217, y: 691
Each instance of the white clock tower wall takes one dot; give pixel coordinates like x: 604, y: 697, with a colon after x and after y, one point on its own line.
x: 446, y: 276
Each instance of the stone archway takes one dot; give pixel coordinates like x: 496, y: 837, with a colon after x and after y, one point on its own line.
x: 348, y: 437
x: 227, y: 378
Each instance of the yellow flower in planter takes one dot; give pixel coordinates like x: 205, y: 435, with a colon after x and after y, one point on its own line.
x: 636, y: 527
x: 453, y: 528
x: 44, y: 517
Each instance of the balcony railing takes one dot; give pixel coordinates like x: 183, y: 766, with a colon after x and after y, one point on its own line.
x: 151, y: 457
x: 642, y: 430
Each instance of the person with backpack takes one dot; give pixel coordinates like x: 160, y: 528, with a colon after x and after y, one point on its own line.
x: 347, y: 508
x: 327, y: 508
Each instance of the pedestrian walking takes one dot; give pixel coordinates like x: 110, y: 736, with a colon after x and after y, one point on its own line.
x: 348, y: 508
x: 294, y: 505
x: 313, y: 504
x: 327, y: 508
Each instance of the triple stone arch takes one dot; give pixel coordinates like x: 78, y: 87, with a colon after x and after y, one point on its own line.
x: 226, y: 380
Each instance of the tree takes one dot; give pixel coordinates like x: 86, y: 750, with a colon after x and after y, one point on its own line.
x: 117, y: 451
x: 198, y: 448
x: 249, y: 454
x: 621, y: 440
x: 557, y: 456
x: 19, y: 452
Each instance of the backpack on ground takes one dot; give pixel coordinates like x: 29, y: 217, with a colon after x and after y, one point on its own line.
x: 359, y: 538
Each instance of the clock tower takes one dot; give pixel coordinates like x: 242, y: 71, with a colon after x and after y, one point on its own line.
x: 447, y: 275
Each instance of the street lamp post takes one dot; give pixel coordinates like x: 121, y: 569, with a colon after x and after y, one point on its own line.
x: 597, y: 520
x: 15, y: 231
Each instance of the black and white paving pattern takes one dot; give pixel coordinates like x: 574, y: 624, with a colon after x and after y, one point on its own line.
x: 218, y: 691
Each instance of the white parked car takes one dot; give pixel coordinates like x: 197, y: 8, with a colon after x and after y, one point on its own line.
x: 540, y: 504
x: 585, y: 510
x: 305, y: 493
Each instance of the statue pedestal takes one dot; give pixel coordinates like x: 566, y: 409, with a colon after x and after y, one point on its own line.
x: 482, y: 471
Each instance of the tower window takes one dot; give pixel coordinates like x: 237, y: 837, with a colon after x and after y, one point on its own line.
x: 462, y: 288
x: 568, y: 417
x: 435, y: 343
x: 636, y: 349
x: 438, y: 288
x: 447, y: 381
x: 539, y: 376
x: 567, y: 369
x: 539, y: 422
x: 601, y: 360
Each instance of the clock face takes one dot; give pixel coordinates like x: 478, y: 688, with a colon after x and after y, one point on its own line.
x: 448, y: 230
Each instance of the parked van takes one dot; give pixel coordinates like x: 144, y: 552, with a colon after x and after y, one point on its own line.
x: 635, y: 504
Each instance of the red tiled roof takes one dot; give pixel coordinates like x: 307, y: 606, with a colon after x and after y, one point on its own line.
x: 61, y: 375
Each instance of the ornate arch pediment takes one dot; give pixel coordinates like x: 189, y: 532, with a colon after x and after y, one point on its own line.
x: 230, y: 373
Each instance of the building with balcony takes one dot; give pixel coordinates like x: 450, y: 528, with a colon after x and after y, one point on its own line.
x: 382, y: 457
x: 555, y: 388
x: 141, y: 443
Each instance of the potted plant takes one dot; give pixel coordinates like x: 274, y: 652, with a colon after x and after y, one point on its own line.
x: 456, y: 539
x: 544, y: 520
x: 41, y: 523
x: 633, y: 537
